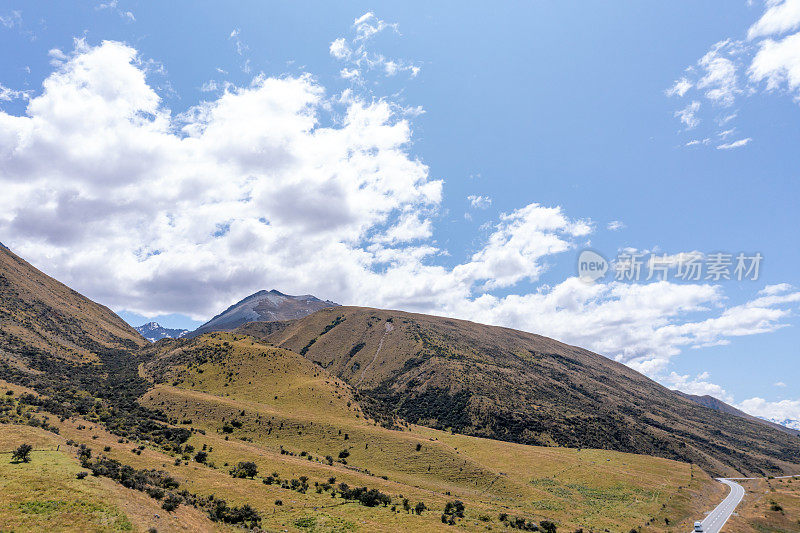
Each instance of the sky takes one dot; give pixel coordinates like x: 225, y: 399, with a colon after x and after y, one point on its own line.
x: 168, y: 159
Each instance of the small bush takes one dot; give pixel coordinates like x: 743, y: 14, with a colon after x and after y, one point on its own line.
x: 22, y: 453
x: 171, y: 502
x: 245, y: 469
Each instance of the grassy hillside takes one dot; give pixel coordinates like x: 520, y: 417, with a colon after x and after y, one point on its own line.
x: 288, y: 431
x: 769, y: 505
x: 515, y: 386
x: 248, y: 401
x: 41, y: 317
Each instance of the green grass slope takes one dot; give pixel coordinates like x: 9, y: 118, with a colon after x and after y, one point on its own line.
x: 247, y: 401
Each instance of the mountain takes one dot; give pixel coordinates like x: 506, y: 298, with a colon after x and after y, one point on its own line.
x: 41, y: 317
x: 719, y: 405
x: 790, y: 423
x: 153, y: 331
x: 267, y: 306
x: 510, y: 385
x: 170, y: 430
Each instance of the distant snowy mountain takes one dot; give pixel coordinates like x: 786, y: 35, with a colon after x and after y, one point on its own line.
x: 264, y: 306
x: 787, y: 426
x: 787, y: 422
x: 153, y: 331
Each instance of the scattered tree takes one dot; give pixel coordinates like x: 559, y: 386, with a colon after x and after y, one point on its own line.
x: 245, y: 469
x: 22, y: 454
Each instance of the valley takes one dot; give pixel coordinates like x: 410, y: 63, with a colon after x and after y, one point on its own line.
x: 348, y: 419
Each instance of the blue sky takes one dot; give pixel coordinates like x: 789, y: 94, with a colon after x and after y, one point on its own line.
x: 495, y: 144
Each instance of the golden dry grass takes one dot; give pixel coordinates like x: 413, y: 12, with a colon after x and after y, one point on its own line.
x: 769, y: 506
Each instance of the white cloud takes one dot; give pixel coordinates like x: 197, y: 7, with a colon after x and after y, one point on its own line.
x: 518, y: 243
x: 276, y: 185
x: 11, y: 20
x: 698, y: 385
x: 355, y: 52
x: 478, y: 201
x: 615, y: 225
x: 767, y: 61
x: 113, y: 5
x: 8, y: 95
x: 687, y: 115
x: 239, y: 45
x: 349, y: 74
x: 734, y: 144
x: 719, y: 80
x: 778, y: 63
x: 786, y: 412
x: 680, y: 88
x: 340, y: 49
x: 780, y: 17
x: 368, y: 25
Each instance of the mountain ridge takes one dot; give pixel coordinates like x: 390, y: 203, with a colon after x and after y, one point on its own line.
x: 39, y: 314
x: 153, y: 331
x: 718, y: 405
x: 269, y: 306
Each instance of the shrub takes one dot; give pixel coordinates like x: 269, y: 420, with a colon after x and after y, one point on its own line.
x: 201, y: 457
x: 171, y: 502
x: 547, y: 526
x: 81, y: 475
x: 22, y: 453
x: 245, y: 469
x: 455, y: 508
x: 155, y: 492
x: 221, y: 512
x: 419, y: 507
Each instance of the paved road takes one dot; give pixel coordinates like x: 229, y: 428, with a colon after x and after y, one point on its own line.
x: 716, y: 519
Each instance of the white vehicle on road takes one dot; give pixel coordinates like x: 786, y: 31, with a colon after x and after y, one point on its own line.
x: 698, y: 526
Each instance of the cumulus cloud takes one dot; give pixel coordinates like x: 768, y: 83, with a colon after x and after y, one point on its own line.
x: 615, y: 225
x: 777, y: 63
x: 276, y: 184
x: 786, y: 412
x: 698, y: 385
x: 780, y: 17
